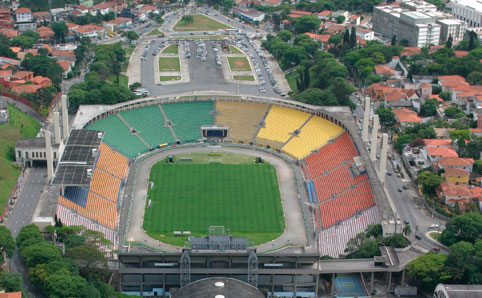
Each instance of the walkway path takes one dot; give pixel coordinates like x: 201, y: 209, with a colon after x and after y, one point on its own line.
x: 294, y: 234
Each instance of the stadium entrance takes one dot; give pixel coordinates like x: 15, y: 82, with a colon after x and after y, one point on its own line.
x: 214, y: 132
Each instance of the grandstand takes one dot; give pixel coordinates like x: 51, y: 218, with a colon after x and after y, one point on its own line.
x: 149, y: 123
x: 315, y: 134
x: 280, y: 124
x: 242, y: 118
x: 342, y: 198
x: 188, y: 117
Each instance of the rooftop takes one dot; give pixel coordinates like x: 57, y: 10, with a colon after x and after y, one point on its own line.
x: 456, y: 172
x: 438, y: 142
x: 475, y: 4
x: 455, y: 161
x: 407, y: 116
x: 442, y: 151
x: 451, y: 189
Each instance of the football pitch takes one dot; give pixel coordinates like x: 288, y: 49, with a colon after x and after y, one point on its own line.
x: 209, y: 191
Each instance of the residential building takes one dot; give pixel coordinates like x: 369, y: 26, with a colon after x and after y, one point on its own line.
x: 365, y: 34
x: 452, y: 194
x: 11, y: 295
x: 117, y: 24
x: 469, y: 11
x: 26, y: 26
x: 456, y: 176
x: 452, y: 27
x: 355, y: 19
x: 406, y: 116
x: 321, y: 38
x: 91, y: 31
x: 455, y: 162
x: 23, y: 75
x: 6, y: 20
x: 41, y: 17
x: 4, y: 114
x: 250, y: 15
x: 385, y: 71
x: 417, y: 27
x: 418, y: 5
x: 23, y: 15
x: 46, y: 34
x: 66, y: 66
x: 60, y: 14
x: 105, y: 7
x: 435, y: 153
x: 19, y: 89
x: 324, y: 15
x: 273, y: 3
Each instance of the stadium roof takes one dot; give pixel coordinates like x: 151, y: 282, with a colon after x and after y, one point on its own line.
x: 78, y: 158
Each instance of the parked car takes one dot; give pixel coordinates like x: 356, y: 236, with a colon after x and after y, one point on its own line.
x: 418, y: 237
x: 437, y: 249
x: 434, y: 226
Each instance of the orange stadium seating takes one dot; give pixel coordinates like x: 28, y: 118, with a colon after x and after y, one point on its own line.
x: 112, y: 162
x: 105, y: 185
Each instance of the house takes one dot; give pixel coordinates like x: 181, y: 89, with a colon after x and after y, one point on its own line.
x: 60, y: 14
x: 10, y: 61
x: 364, y: 33
x: 446, y: 143
x: 11, y: 295
x: 324, y: 15
x: 6, y: 20
x: 117, y: 24
x: 26, y: 26
x: 10, y: 33
x: 41, y: 81
x: 334, y: 29
x: 272, y: 3
x: 435, y: 153
x: 25, y: 88
x: 322, y: 39
x: 6, y: 74
x: 64, y: 54
x: 452, y: 193
x: 91, y: 31
x: 460, y: 54
x: 81, y: 9
x: 406, y: 116
x: 355, y: 19
x: 66, y: 66
x: 294, y: 14
x: 105, y: 7
x: 46, y: 34
x: 41, y: 17
x: 146, y: 8
x: 455, y: 162
x: 385, y: 71
x: 410, y: 51
x: 456, y: 176
x: 425, y: 90
x: 23, y: 15
x: 23, y: 75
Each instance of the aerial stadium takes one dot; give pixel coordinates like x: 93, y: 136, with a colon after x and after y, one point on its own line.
x: 183, y: 185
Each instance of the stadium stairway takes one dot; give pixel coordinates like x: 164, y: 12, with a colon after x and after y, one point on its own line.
x: 169, y: 126
x: 131, y: 129
x: 264, y: 121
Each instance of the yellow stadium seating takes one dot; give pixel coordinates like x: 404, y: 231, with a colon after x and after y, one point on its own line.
x: 315, y: 134
x: 281, y: 123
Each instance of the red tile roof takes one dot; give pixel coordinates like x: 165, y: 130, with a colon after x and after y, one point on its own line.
x: 455, y: 161
x: 63, y: 53
x: 451, y: 78
x: 65, y: 64
x: 23, y: 10
x: 325, y: 13
x: 451, y: 189
x: 456, y: 172
x: 394, y: 95
x: 410, y: 51
x: 459, y: 54
x: 438, y: 142
x: 300, y: 12
x: 407, y: 116
x: 384, y: 70
x: 442, y: 151
x: 323, y: 38
x: 11, y: 295
x: 21, y: 74
x: 26, y: 88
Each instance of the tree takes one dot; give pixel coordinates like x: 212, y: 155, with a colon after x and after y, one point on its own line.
x: 340, y: 19
x: 397, y: 241
x: 7, y: 244
x: 436, y: 89
x: 135, y: 86
x: 459, y: 263
x: 445, y: 96
x: 276, y: 19
x: 394, y: 40
x: 285, y: 35
x: 5, y: 51
x: 187, y: 19
x: 475, y: 78
x: 454, y: 112
x: 31, y: 233
x: 367, y: 249
x: 448, y: 45
x: 90, y: 260
x: 40, y: 253
x: 353, y: 37
x: 228, y: 4
x: 429, y: 108
x: 317, y: 97
x: 62, y: 284
x: 346, y: 37
x: 472, y: 40
x: 429, y: 181
x: 386, y: 116
x: 426, y: 271
x: 306, y: 76
x: 307, y: 24
x: 60, y: 31
x: 465, y: 227
x: 11, y: 282
x: 458, y: 134
x: 42, y: 65
x: 131, y: 35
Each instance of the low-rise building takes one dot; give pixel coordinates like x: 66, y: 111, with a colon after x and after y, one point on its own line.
x: 456, y: 176
x: 365, y: 34
x: 23, y: 15
x: 41, y: 17
x: 4, y: 114
x: 405, y: 117
x: 250, y: 15
x: 452, y: 27
x: 455, y: 162
x: 469, y: 11
x: 6, y: 20
x: 452, y: 194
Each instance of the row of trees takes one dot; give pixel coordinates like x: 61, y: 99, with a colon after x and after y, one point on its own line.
x: 463, y: 265
x: 96, y: 89
x: 350, y: 5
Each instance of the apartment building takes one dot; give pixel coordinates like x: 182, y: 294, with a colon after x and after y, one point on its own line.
x: 469, y: 11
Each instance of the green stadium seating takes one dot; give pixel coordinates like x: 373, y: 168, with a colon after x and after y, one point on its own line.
x: 117, y: 135
x: 148, y: 121
x: 188, y: 117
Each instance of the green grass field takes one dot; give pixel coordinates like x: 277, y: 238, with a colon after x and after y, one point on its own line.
x: 171, y: 49
x: 201, y: 23
x: 244, y: 78
x: 154, y: 32
x: 169, y: 78
x: 228, y: 190
x: 169, y: 64
x: 123, y: 80
x: 239, y: 64
x: 21, y: 126
x: 235, y: 50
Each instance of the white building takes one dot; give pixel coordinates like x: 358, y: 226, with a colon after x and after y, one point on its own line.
x: 452, y: 27
x: 469, y: 11
x: 23, y: 15
x: 365, y: 34
x: 418, y: 28
x: 250, y: 15
x: 417, y: 5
